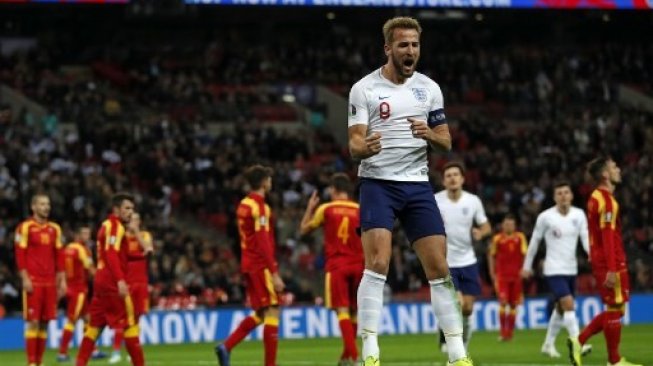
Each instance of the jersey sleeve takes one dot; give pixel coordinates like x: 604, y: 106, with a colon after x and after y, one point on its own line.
x: 536, y: 238
x: 608, y: 225
x: 523, y: 243
x: 479, y: 215
x: 318, y: 217
x: 358, y: 113
x: 20, y: 244
x: 584, y: 232
x: 59, y: 248
x: 436, y: 115
x: 494, y: 244
x: 115, y: 233
x: 83, y: 256
x: 263, y: 236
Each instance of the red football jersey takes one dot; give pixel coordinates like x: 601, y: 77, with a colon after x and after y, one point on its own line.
x: 39, y: 250
x: 342, y: 245
x: 112, y: 255
x: 509, y: 252
x: 256, y: 234
x: 606, y: 245
x: 77, y: 261
x: 137, y: 265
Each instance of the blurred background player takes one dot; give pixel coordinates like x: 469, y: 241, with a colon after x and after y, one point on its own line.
x: 395, y: 114
x: 505, y: 260
x: 39, y: 259
x: 112, y: 304
x: 344, y: 256
x: 259, y: 267
x: 78, y: 264
x: 561, y: 226
x: 608, y: 258
x: 464, y: 221
x: 139, y: 246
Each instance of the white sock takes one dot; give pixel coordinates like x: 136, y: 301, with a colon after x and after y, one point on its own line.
x: 370, y: 304
x: 467, y: 331
x: 555, y: 323
x: 447, y: 311
x: 571, y: 323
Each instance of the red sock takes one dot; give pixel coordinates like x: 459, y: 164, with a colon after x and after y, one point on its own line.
x: 270, y: 340
x: 348, y: 337
x: 118, y: 336
x: 511, y: 322
x: 502, y: 322
x: 135, y: 351
x: 40, y: 346
x: 30, y: 345
x: 595, y: 326
x: 612, y: 333
x: 66, y: 337
x: 244, y: 328
x: 85, y: 351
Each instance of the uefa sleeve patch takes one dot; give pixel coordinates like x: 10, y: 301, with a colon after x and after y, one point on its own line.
x: 112, y: 240
x: 263, y: 220
x: 18, y: 237
x: 436, y: 118
x: 607, y: 217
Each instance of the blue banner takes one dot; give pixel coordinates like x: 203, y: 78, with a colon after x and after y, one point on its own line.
x: 554, y: 4
x: 169, y: 327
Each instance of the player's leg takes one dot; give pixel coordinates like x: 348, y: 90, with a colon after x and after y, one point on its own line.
x: 378, y: 203
x: 118, y: 338
x: 271, y: 334
x: 129, y: 322
x: 570, y: 321
x: 377, y: 249
x: 49, y: 312
x: 339, y: 286
x: 470, y: 287
x: 74, y: 305
x: 96, y: 322
x: 31, y: 314
x: 515, y: 298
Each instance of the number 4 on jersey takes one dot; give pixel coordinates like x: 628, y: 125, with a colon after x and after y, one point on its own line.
x: 343, y: 230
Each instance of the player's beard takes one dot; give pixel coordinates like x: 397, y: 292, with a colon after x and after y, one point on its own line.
x: 399, y: 66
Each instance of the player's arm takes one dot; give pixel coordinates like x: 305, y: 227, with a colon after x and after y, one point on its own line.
x: 20, y: 245
x: 86, y: 260
x: 310, y: 221
x: 361, y: 145
x: 608, y: 224
x: 584, y: 234
x: 491, y: 261
x: 531, y: 252
x: 114, y: 234
x: 484, y: 228
x: 60, y: 262
x: 263, y: 240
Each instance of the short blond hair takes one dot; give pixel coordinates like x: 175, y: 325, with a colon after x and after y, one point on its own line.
x: 399, y: 23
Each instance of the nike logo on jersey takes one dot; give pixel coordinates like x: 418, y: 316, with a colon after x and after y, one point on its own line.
x: 381, y: 98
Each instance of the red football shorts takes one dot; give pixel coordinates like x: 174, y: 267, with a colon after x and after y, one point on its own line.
x: 77, y: 303
x: 341, y: 285
x: 260, y: 289
x: 141, y: 298
x: 509, y: 290
x: 111, y: 310
x: 40, y: 304
x: 618, y: 295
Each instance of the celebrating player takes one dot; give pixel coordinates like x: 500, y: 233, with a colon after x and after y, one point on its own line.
x: 258, y: 266
x: 505, y: 260
x: 561, y: 226
x: 39, y: 259
x: 395, y: 113
x: 344, y: 256
x: 462, y: 211
x: 112, y: 304
x: 139, y: 245
x: 608, y: 260
x: 78, y: 263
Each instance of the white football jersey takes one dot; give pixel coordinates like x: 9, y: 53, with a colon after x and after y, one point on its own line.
x: 385, y: 107
x: 459, y: 219
x: 561, y: 234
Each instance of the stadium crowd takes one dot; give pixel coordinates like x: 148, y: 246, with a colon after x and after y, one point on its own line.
x: 498, y: 97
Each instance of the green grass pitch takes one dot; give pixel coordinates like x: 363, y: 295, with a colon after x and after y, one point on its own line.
x: 407, y: 350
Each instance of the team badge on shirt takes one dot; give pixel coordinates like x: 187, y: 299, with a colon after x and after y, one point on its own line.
x: 465, y: 211
x: 352, y: 111
x: 419, y: 94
